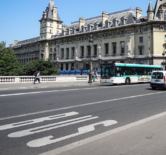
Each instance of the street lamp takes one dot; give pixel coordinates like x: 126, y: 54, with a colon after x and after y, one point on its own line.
x: 164, y: 54
x: 99, y: 57
x: 164, y: 59
x: 90, y: 62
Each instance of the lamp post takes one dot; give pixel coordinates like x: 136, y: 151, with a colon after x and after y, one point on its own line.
x: 90, y: 62
x: 164, y: 59
x: 99, y: 57
x: 164, y: 54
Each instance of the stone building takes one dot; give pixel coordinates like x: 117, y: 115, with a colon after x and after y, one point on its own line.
x: 122, y: 36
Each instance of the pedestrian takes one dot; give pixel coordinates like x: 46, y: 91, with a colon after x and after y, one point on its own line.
x: 93, y: 76
x: 37, y: 77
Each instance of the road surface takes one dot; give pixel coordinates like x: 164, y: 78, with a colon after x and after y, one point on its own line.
x: 36, y: 121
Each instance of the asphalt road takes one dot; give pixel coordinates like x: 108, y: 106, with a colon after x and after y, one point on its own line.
x: 36, y: 121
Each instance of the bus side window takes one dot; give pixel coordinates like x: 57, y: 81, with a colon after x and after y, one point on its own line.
x: 118, y: 72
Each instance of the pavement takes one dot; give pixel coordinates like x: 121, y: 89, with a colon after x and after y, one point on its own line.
x: 145, y: 137
x: 17, y: 86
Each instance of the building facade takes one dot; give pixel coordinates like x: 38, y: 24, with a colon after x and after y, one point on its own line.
x: 122, y: 36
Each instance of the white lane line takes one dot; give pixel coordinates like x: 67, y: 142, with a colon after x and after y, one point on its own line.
x: 82, y: 130
x: 64, y: 90
x: 48, y: 91
x: 83, y: 105
x: 52, y: 126
x: 106, y: 134
x: 37, y: 120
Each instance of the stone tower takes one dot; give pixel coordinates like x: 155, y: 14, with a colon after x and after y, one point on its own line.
x: 150, y: 12
x: 50, y: 23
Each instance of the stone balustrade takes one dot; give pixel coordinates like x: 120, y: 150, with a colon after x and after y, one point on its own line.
x: 30, y: 79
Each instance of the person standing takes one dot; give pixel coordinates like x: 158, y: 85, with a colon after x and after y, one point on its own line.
x: 37, y: 77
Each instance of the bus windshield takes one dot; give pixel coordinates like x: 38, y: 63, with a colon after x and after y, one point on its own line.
x: 107, y: 72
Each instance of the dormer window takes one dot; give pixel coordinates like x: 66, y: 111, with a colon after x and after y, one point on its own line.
x: 123, y: 20
x: 95, y: 26
x: 106, y: 24
x: 110, y: 23
x: 82, y: 28
x: 116, y: 22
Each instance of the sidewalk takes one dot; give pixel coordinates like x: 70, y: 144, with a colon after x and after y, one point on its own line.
x: 16, y: 86
x: 145, y: 137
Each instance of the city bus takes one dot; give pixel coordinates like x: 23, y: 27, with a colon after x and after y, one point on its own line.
x: 125, y: 73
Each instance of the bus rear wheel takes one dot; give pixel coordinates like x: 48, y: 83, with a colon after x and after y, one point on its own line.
x: 127, y: 81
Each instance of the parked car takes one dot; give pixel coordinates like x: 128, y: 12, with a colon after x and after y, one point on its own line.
x: 158, y: 80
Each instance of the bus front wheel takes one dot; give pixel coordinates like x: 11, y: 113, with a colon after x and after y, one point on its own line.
x: 127, y: 81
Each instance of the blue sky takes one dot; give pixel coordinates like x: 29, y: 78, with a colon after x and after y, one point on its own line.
x: 19, y: 19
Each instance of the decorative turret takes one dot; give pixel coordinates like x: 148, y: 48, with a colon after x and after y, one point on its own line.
x: 50, y: 23
x: 150, y: 12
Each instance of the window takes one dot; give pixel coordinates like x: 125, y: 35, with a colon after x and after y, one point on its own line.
x: 140, y: 50
x: 50, y: 49
x: 50, y: 56
x: 54, y: 56
x: 62, y: 53
x: 122, y: 46
x: 114, y: 48
x: 141, y: 39
x: 61, y: 66
x: 73, y: 52
x: 106, y: 48
x: 95, y: 50
x: 42, y: 56
x: 89, y: 51
x: 157, y: 75
x: 67, y: 66
x: 72, y: 66
x: 54, y: 49
x: 82, y: 51
x: 67, y: 53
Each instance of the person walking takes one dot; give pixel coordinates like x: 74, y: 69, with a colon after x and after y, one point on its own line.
x: 37, y: 77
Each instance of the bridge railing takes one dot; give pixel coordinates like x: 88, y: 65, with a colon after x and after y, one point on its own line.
x: 30, y: 79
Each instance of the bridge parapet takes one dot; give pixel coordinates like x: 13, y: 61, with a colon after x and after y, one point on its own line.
x: 44, y: 79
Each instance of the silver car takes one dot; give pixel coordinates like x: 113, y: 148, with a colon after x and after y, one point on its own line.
x: 158, y: 80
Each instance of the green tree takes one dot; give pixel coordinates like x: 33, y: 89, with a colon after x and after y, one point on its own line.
x: 45, y: 68
x: 9, y: 64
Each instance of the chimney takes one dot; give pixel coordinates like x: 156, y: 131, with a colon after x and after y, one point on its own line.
x: 138, y: 12
x: 105, y: 17
x: 82, y: 22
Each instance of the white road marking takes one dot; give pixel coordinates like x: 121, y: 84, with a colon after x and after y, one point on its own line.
x: 64, y: 90
x: 48, y: 91
x: 83, y: 105
x: 106, y: 134
x: 52, y: 126
x: 82, y: 130
x: 37, y: 120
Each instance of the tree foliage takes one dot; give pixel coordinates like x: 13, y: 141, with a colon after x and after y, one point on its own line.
x: 9, y: 64
x: 45, y: 68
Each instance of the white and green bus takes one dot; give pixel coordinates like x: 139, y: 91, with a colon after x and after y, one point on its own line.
x: 123, y: 73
